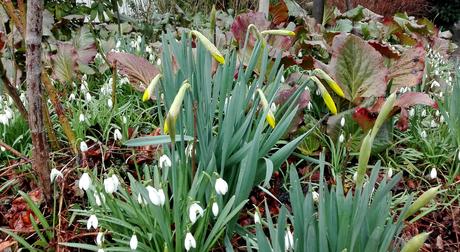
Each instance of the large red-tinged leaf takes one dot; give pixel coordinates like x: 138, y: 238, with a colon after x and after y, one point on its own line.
x: 85, y: 46
x: 357, y: 67
x: 408, y: 70
x: 241, y: 23
x: 139, y: 70
x: 364, y: 118
x: 403, y: 122
x: 385, y: 49
x: 279, y: 13
x: 65, y: 62
x: 415, y: 98
x: 2, y: 40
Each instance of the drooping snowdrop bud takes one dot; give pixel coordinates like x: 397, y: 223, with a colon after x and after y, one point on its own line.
x: 99, y: 238
x: 110, y: 185
x: 72, y: 97
x: 342, y: 122
x: 141, y: 199
x: 158, y: 61
x: 55, y: 173
x: 355, y: 176
x: 195, y: 211
x: 423, y: 114
x: 215, y: 209
x: 288, y: 240
x: 433, y: 124
x: 341, y: 138
x: 437, y: 113
x: 83, y: 146
x: 133, y: 242
x: 164, y: 161
x: 81, y: 118
x: 92, y: 222
x: 117, y: 135
x: 315, y: 196
x: 124, y: 120
x: 411, y: 112
x: 433, y: 173
x: 423, y: 134
x: 84, y: 182
x: 189, y: 241
x: 97, y: 198
x: 109, y: 103
x: 157, y: 197
x: 88, y: 97
x: 309, y: 106
x: 256, y: 217
x: 435, y: 84
x: 441, y: 119
x: 390, y: 172
x: 221, y: 186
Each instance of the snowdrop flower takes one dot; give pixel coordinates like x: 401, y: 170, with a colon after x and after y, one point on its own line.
x: 440, y: 94
x: 158, y: 61
x: 124, y: 120
x: 81, y: 118
x: 189, y: 241
x: 342, y: 121
x: 341, y: 138
x: 435, y: 84
x: 164, y: 161
x: 423, y: 134
x: 100, y: 250
x: 92, y: 222
x: 221, y: 186
x: 390, y: 173
x: 441, y: 119
x: 99, y: 238
x: 300, y: 55
x: 71, y: 97
x: 110, y: 185
x: 315, y: 196
x: 88, y: 97
x: 4, y: 119
x: 189, y: 150
x: 288, y: 240
x: 157, y: 197
x: 215, y: 209
x: 2, y: 148
x: 411, y: 112
x: 433, y: 173
x: 117, y: 135
x: 133, y: 242
x: 256, y: 217
x: 437, y: 113
x: 309, y: 106
x: 141, y: 199
x: 423, y: 113
x: 84, y: 182
x: 83, y: 146
x: 194, y: 211
x: 273, y: 107
x: 54, y: 174
x: 97, y: 198
x: 110, y: 103
x: 433, y: 124
x: 118, y: 44
x: 282, y: 79
x: 355, y: 176
x: 9, y: 113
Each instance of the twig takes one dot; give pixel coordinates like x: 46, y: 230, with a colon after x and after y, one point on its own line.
x: 14, y: 151
x: 13, y: 92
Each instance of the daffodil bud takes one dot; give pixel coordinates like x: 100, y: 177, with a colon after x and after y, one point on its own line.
x: 151, y: 88
x: 416, y: 243
x: 270, y: 116
x: 421, y: 201
x: 364, y: 155
x: 326, y: 96
x: 174, y: 110
x: 334, y: 86
x: 280, y: 32
x: 252, y: 28
x: 209, y: 46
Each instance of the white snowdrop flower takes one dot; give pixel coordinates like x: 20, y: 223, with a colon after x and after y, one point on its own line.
x: 9, y: 113
x: 436, y: 72
x: 159, y: 61
x: 151, y: 58
x: 117, y: 135
x: 148, y: 49
x: 423, y: 134
x: 81, y: 118
x: 97, y: 198
x: 437, y: 113
x: 433, y: 173
x: 300, y: 55
x: 84, y: 182
x: 256, y: 217
x: 133, y: 43
x: 109, y: 103
x: 341, y: 138
x: 141, y: 200
x: 99, y: 238
x: 83, y: 146
x: 88, y: 97
x: 4, y: 119
x: 118, y: 44
x: 194, y: 212
x: 315, y: 196
x: 433, y: 124
x: 441, y: 119
x: 189, y: 150
x: 435, y: 84
x: 342, y: 121
x: 273, y: 107
x: 2, y: 148
x: 92, y: 222
x: 189, y: 241
x: 441, y: 94
x: 282, y: 79
x: 355, y: 176
x: 110, y: 186
x: 55, y: 173
x: 124, y: 120
x: 100, y: 250
x: 23, y: 98
x: 139, y: 39
x: 164, y: 161
x: 390, y: 172
x: 157, y: 197
x: 318, y: 92
x: 133, y: 242
x: 221, y: 186
x: 288, y: 240
x: 215, y: 209
x: 423, y: 114
x: 84, y: 87
x: 72, y: 97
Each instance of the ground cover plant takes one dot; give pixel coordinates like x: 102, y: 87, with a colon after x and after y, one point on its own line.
x: 251, y: 126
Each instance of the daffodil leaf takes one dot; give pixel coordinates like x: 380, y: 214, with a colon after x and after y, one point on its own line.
x: 155, y: 140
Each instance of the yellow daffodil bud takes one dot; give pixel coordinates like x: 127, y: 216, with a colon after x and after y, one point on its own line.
x: 363, y: 159
x: 334, y: 86
x: 174, y: 110
x: 416, y: 243
x: 278, y: 32
x: 421, y: 201
x: 270, y: 116
x: 209, y: 46
x: 383, y: 114
x: 149, y: 90
x: 326, y: 96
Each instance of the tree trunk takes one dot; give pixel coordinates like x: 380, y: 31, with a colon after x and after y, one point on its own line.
x: 318, y: 10
x: 33, y: 39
